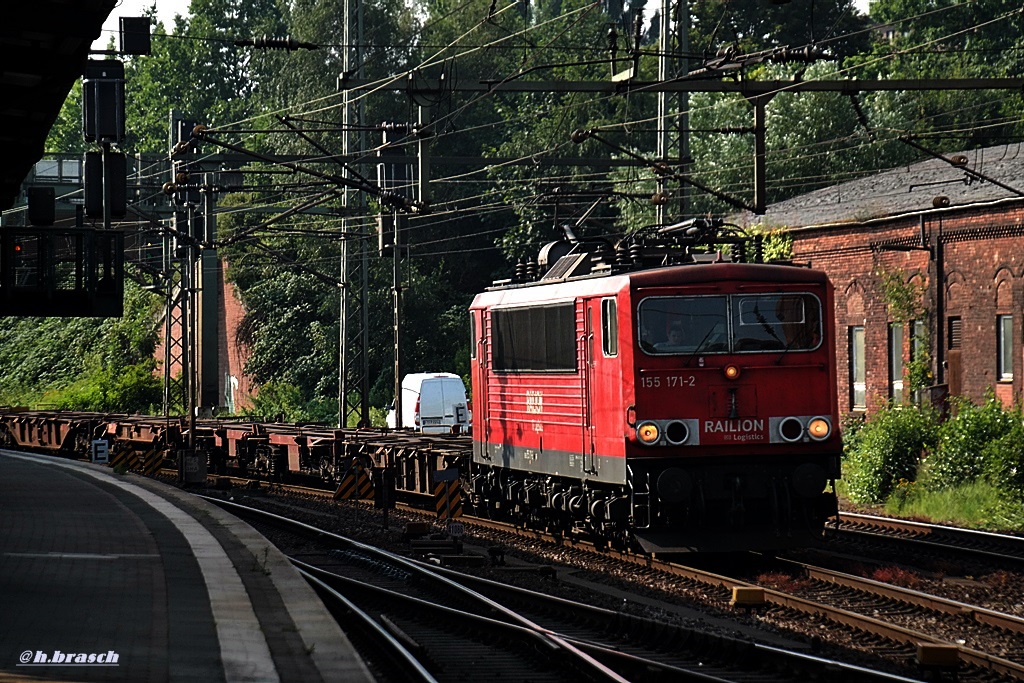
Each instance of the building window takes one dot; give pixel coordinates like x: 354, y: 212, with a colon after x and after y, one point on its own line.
x: 1004, y: 342
x: 858, y: 369
x: 609, y: 327
x: 955, y: 332
x: 896, y: 362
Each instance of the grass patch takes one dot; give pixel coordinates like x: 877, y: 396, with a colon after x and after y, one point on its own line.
x: 977, y: 505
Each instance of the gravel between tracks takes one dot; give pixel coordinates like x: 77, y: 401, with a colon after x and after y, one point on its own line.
x: 574, y: 575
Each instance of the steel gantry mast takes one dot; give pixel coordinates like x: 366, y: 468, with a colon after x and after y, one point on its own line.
x: 353, y: 317
x: 673, y: 46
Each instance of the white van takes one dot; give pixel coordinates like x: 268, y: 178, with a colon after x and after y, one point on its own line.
x: 433, y: 403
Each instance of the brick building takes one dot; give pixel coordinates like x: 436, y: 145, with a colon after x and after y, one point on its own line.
x: 234, y: 389
x: 952, y: 227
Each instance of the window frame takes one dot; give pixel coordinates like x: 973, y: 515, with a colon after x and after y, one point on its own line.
x: 919, y: 346
x: 609, y: 327
x: 732, y: 318
x: 858, y: 367
x: 1004, y: 348
x: 532, y: 323
x: 896, y: 365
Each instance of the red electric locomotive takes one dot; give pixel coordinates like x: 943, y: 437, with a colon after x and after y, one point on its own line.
x: 686, y: 407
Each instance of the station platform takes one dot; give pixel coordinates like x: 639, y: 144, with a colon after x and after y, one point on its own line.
x: 109, y: 577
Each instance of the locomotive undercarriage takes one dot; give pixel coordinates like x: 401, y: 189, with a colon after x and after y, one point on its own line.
x: 568, y: 507
x: 663, y: 507
x: 760, y: 502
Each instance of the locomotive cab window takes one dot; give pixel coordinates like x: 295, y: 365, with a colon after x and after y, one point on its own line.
x: 609, y: 327
x: 737, y: 323
x: 776, y: 322
x: 684, y: 325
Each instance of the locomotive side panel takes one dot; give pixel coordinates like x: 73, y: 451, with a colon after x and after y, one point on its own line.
x: 535, y: 393
x: 610, y: 383
x: 548, y: 381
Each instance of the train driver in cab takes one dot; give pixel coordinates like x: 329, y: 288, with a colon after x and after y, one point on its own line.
x: 674, y: 341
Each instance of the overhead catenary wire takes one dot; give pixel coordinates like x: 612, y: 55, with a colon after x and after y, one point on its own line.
x: 554, y: 148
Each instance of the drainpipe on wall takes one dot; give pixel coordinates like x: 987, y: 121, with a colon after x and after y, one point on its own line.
x: 940, y: 305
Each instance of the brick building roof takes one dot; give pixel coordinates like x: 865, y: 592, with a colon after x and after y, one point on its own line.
x: 902, y: 190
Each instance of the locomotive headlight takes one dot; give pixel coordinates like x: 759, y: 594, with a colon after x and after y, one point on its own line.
x: 791, y: 429
x: 731, y: 371
x: 677, y: 432
x: 819, y: 428
x: 648, y: 433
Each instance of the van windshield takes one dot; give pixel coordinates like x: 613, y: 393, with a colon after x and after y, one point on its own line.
x: 735, y: 323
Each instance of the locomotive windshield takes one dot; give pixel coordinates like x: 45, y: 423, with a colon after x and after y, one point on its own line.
x: 735, y: 323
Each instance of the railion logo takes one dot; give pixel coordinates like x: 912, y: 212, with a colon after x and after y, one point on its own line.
x: 733, y: 426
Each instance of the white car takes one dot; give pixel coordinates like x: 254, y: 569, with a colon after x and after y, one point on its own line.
x: 433, y: 403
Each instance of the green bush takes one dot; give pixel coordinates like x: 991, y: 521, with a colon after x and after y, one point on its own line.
x: 1003, y: 458
x: 959, y: 458
x: 886, y: 450
x: 127, y: 389
x: 283, y: 402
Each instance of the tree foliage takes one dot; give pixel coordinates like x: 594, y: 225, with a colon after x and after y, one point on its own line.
x: 531, y: 182
x: 83, y: 363
x: 948, y: 39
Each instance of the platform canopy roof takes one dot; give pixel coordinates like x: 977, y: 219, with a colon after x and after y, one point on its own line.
x: 44, y: 45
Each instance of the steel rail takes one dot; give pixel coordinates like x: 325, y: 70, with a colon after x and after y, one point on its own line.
x: 399, y: 655
x: 773, y: 597
x: 587, y: 664
x: 498, y: 616
x: 518, y: 627
x: 937, y: 537
x: 989, y: 617
x: 778, y: 656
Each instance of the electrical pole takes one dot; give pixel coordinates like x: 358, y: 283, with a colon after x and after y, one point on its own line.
x: 673, y: 44
x: 353, y: 314
x: 396, y: 292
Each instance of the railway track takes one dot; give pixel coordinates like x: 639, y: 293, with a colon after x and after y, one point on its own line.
x: 443, y: 628
x: 977, y: 643
x: 969, y: 626
x: 942, y: 541
x: 874, y: 613
x: 885, y: 619
x: 447, y: 630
